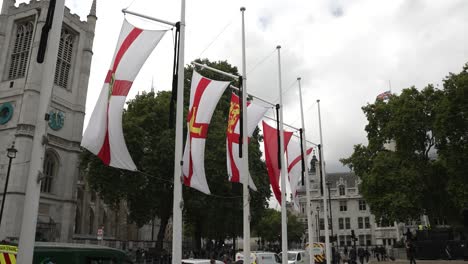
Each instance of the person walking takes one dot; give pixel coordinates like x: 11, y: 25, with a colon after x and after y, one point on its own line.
x: 352, y: 256
x: 410, y: 252
x: 367, y: 254
x: 361, y: 255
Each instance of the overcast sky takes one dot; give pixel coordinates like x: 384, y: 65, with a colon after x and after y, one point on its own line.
x: 346, y: 52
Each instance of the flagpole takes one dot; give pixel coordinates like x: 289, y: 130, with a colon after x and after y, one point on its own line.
x: 245, y: 156
x: 325, y: 190
x: 306, y: 176
x: 33, y: 186
x: 178, y: 202
x: 284, y: 231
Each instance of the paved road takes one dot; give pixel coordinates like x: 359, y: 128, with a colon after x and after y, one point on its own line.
x: 420, y: 261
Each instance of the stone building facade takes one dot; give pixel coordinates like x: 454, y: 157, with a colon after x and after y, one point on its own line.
x: 20, y: 78
x: 349, y: 211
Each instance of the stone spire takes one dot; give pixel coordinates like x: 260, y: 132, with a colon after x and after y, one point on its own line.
x: 92, y: 12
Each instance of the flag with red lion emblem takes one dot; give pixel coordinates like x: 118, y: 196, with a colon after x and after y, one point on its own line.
x: 255, y: 113
x: 104, y: 136
x: 204, y: 95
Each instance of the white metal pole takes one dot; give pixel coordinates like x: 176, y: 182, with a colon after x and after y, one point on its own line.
x: 306, y: 178
x: 325, y: 191
x: 178, y: 203
x: 33, y: 186
x: 284, y: 173
x: 245, y: 155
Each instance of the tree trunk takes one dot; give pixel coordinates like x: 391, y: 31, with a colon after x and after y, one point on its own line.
x: 198, y: 234
x: 161, y: 232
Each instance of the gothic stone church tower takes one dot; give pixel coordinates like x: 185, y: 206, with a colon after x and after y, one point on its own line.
x: 20, y: 78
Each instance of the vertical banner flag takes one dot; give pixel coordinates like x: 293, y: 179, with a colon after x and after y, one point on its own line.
x: 255, y: 113
x: 270, y: 140
x: 295, y: 168
x: 204, y: 95
x: 104, y: 136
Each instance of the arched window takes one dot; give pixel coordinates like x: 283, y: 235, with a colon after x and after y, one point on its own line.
x: 20, y: 53
x: 342, y: 190
x: 91, y: 222
x: 64, y: 58
x: 49, y: 171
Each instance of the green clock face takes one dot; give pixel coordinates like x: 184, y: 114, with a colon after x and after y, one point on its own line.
x: 56, y: 119
x: 6, y: 112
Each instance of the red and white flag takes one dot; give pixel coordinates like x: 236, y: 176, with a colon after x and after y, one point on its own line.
x: 204, y: 95
x: 255, y: 113
x: 270, y: 140
x: 104, y: 136
x: 295, y: 168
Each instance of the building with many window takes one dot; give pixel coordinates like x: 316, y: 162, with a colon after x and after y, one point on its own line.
x: 349, y: 211
x: 20, y: 80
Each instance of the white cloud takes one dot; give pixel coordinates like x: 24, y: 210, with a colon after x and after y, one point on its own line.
x: 345, y: 51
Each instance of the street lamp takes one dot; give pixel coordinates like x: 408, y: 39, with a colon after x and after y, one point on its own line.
x: 11, y: 154
x: 318, y: 223
x: 329, y: 203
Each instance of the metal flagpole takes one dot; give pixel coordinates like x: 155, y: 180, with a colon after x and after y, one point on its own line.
x: 325, y: 190
x: 178, y: 203
x: 245, y: 156
x: 306, y: 177
x: 284, y: 231
x: 47, y: 61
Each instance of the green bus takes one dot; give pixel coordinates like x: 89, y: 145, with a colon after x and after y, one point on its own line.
x: 57, y: 253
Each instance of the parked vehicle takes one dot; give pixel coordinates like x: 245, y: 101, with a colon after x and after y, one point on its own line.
x: 200, y: 261
x: 260, y: 257
x: 318, y: 250
x: 51, y: 253
x: 298, y: 257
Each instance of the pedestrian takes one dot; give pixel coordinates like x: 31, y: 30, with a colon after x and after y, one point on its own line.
x: 410, y: 252
x: 367, y: 254
x: 352, y: 256
x: 346, y: 251
x: 361, y: 255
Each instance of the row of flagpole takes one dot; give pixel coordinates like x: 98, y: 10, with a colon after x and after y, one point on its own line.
x: 26, y: 243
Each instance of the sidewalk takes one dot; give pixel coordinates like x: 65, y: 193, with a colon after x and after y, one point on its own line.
x: 419, y: 261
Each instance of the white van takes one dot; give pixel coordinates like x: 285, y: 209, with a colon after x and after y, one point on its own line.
x: 298, y: 257
x: 260, y: 257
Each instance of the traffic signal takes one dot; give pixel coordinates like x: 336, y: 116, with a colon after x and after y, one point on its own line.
x: 353, y: 235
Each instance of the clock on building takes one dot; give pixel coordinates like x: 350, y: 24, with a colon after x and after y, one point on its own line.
x: 56, y: 119
x: 6, y: 112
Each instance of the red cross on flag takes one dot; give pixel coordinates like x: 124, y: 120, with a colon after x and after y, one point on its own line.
x: 255, y: 113
x: 204, y: 96
x: 295, y: 168
x: 104, y: 136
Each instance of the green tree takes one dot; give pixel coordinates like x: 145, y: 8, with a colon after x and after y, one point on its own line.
x: 451, y: 130
x: 399, y: 171
x: 149, y: 193
x: 269, y: 227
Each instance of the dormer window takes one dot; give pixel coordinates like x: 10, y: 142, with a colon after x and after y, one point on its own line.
x: 342, y: 190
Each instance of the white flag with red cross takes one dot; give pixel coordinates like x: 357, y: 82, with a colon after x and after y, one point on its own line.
x: 104, y: 136
x: 294, y: 157
x: 204, y: 96
x: 255, y: 113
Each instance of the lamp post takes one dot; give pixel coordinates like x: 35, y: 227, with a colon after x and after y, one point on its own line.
x: 11, y: 154
x: 329, y: 204
x: 318, y: 223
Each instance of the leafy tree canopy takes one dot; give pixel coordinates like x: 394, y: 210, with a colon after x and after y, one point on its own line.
x: 417, y: 153
x: 149, y: 193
